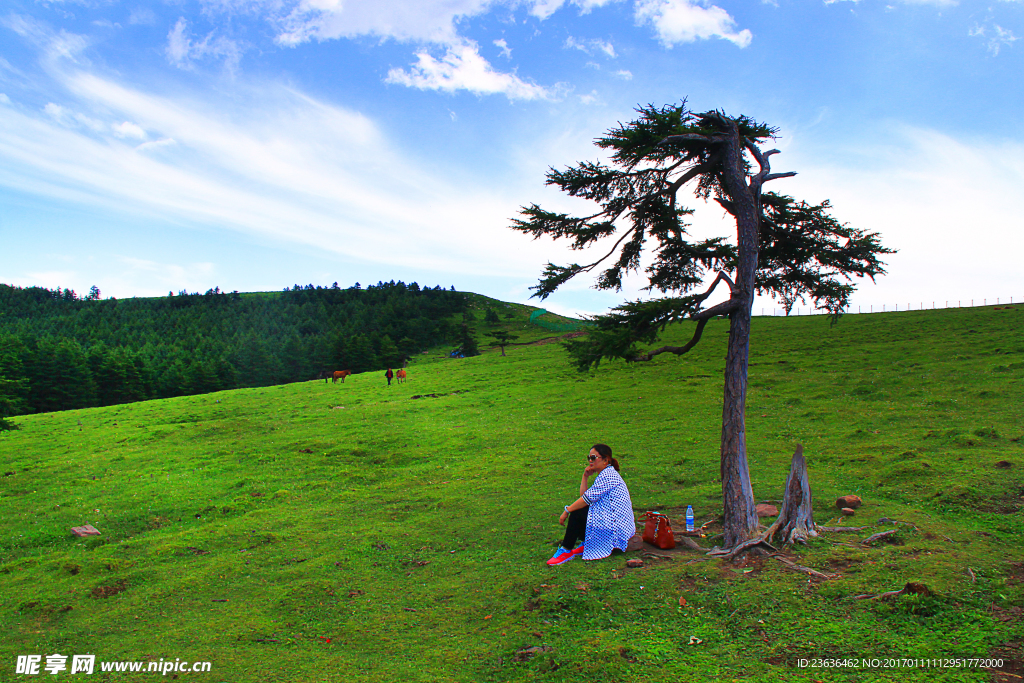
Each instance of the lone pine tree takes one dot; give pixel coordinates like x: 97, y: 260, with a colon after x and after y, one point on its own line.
x: 783, y: 248
x: 502, y: 338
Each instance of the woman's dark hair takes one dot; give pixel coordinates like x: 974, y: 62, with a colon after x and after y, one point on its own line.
x: 606, y: 453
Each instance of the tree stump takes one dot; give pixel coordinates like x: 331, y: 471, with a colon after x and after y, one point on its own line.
x: 795, y: 523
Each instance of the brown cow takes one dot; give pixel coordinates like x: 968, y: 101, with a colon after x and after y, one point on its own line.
x: 341, y: 374
x: 401, y: 375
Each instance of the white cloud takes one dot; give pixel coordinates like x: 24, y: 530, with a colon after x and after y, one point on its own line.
x: 506, y: 51
x: 591, y: 46
x: 431, y: 21
x: 923, y: 191
x: 182, y: 50
x: 624, y: 74
x: 589, y: 99
x: 178, y: 44
x: 268, y: 162
x: 154, y: 144
x: 685, y: 21
x: 166, y: 276
x: 462, y: 68
x: 127, y: 129
x: 142, y: 16
x: 47, y: 278
x: 55, y: 46
x: 72, y: 119
x: 542, y: 9
x: 4, y: 99
x: 995, y: 37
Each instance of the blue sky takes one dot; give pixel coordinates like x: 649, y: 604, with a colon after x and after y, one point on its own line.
x: 254, y: 144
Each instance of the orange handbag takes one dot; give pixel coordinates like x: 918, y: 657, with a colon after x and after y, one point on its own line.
x: 658, y: 531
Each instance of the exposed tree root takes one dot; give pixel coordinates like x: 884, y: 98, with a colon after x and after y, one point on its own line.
x: 878, y: 537
x: 800, y: 568
x: 915, y: 588
x: 727, y: 553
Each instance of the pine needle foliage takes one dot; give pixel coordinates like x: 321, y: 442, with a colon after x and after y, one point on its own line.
x: 783, y: 248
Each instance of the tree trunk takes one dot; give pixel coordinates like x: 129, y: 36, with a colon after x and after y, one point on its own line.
x: 795, y: 524
x: 737, y: 496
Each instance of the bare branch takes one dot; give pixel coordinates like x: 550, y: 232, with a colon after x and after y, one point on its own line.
x: 678, y: 350
x: 682, y: 180
x: 765, y: 174
x: 761, y: 157
x: 727, y: 306
x: 587, y: 268
x: 727, y: 205
x: 721, y: 276
x: 693, y: 137
x: 702, y: 319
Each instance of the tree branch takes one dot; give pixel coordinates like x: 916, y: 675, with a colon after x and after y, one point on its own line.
x: 702, y: 319
x: 683, y: 179
x: 773, y: 176
x: 693, y: 137
x: 727, y: 306
x: 587, y: 268
x: 677, y: 350
x: 721, y: 276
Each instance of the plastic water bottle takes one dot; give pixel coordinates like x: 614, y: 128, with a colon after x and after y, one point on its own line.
x: 689, y: 518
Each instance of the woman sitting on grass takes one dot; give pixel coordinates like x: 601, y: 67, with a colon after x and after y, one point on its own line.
x: 602, y: 518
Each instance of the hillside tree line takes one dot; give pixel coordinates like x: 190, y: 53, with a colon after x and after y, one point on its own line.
x: 60, y: 351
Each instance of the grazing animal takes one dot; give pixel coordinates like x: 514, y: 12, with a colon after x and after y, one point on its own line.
x: 401, y: 375
x: 341, y: 374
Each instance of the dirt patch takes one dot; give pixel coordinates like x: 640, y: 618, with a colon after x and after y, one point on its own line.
x: 742, y: 566
x: 552, y: 340
x: 525, y: 654
x: 1007, y: 615
x: 840, y: 563
x: 106, y: 591
x: 450, y: 393
x: 1007, y: 505
x: 1013, y: 666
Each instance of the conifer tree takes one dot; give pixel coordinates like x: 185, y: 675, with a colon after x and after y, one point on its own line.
x: 469, y: 345
x: 389, y: 354
x: 503, y: 338
x: 782, y: 247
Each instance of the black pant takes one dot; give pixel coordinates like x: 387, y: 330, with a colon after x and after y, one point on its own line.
x: 575, y: 528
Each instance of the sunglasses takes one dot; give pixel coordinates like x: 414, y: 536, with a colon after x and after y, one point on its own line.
x: 591, y: 458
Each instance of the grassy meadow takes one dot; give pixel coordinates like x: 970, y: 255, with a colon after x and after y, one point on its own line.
x: 352, y: 532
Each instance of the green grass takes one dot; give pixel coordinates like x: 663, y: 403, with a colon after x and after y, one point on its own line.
x: 413, y: 534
